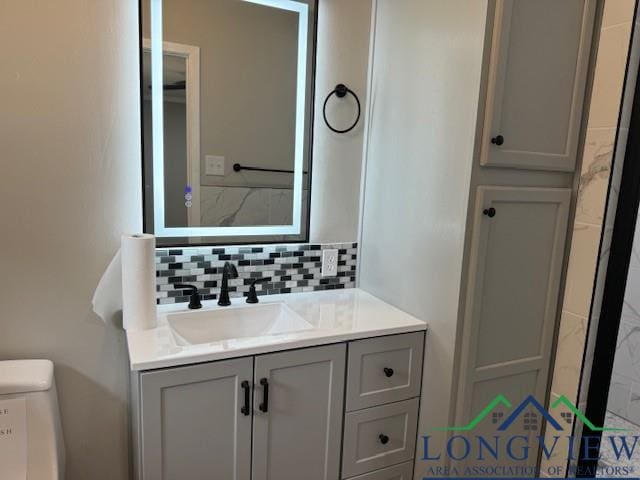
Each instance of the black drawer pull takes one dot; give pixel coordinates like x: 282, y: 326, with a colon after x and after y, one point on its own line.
x: 264, y: 406
x: 383, y: 439
x: 246, y: 408
x: 388, y: 372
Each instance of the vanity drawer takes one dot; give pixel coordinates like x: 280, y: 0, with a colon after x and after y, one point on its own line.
x: 378, y: 437
x: 404, y: 471
x: 384, y: 370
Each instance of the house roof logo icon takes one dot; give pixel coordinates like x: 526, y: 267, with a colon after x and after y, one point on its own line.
x: 530, y: 403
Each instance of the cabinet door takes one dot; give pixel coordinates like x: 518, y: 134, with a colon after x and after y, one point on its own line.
x: 299, y: 434
x: 537, y: 76
x: 512, y: 296
x: 192, y: 424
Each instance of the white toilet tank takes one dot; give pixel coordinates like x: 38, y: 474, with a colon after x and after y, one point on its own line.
x: 33, y: 380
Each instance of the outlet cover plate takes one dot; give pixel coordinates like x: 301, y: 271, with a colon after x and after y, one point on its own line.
x: 330, y: 263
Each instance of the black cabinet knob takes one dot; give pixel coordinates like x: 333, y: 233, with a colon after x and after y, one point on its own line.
x: 388, y: 372
x: 499, y: 140
x: 489, y: 212
x: 383, y: 439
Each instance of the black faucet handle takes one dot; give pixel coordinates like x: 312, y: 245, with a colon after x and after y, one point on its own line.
x: 184, y: 286
x: 194, y: 296
x: 230, y: 269
x: 252, y: 296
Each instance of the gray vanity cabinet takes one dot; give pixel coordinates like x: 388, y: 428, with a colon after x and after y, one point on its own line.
x: 299, y: 434
x: 191, y: 424
x: 283, y: 415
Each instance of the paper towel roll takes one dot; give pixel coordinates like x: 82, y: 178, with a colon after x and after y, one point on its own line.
x: 138, y: 282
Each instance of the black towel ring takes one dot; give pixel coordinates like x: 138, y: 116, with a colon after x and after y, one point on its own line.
x: 341, y: 91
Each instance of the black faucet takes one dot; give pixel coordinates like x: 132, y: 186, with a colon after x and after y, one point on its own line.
x: 194, y: 296
x: 228, y: 271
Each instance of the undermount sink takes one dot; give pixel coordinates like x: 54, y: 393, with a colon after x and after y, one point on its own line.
x: 207, y: 326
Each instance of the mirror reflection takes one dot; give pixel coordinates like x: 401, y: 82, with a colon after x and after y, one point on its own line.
x: 234, y: 106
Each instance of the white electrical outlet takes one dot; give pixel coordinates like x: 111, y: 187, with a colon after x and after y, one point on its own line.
x: 330, y: 263
x: 214, y: 165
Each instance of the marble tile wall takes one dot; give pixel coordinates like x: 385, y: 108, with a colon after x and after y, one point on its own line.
x: 609, y: 459
x: 592, y: 194
x: 238, y: 206
x: 624, y: 394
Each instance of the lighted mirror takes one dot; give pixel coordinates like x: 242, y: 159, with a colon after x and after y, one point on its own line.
x: 227, y: 90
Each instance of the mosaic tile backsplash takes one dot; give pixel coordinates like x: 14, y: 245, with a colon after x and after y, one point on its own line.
x: 292, y: 268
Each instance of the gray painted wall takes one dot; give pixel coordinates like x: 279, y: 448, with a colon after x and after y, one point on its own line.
x: 342, y: 57
x: 70, y: 184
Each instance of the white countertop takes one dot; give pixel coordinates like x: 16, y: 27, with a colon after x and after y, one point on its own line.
x: 336, y: 315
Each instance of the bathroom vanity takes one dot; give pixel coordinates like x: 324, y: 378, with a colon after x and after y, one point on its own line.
x: 306, y: 384
x: 320, y: 385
